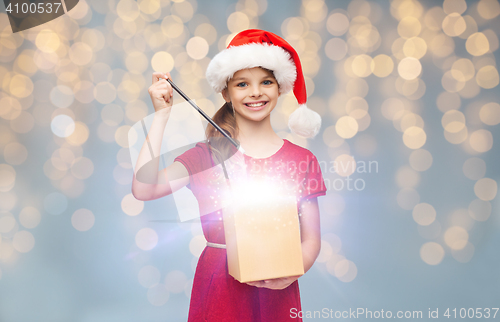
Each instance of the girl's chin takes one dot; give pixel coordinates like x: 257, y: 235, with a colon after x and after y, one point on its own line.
x: 254, y: 117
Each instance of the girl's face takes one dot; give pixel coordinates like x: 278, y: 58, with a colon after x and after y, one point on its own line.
x: 253, y: 93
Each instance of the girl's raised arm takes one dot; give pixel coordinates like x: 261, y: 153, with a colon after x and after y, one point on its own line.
x: 149, y: 183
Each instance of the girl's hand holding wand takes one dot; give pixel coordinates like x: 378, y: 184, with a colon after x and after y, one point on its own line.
x: 152, y: 184
x: 161, y: 93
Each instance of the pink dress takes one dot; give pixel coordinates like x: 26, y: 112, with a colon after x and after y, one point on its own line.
x: 216, y: 296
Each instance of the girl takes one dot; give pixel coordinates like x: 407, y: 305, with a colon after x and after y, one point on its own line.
x: 255, y: 69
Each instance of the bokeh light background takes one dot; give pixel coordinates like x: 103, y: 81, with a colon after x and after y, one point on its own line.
x: 408, y: 92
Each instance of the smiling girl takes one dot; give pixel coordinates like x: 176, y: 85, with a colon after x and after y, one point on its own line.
x: 252, y: 73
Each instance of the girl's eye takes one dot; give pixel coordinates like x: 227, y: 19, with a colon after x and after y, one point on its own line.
x: 242, y: 84
x: 267, y: 82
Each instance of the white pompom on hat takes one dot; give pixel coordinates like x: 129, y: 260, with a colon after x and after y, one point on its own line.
x: 258, y: 48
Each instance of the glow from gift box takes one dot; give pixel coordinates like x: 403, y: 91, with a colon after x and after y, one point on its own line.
x: 256, y: 192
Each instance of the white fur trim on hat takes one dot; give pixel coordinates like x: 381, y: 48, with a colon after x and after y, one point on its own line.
x: 223, y: 66
x: 304, y: 122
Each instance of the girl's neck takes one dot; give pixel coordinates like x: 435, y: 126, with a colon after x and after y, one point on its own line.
x: 258, y: 138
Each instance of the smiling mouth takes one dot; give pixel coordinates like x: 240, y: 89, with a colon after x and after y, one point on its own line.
x: 256, y: 104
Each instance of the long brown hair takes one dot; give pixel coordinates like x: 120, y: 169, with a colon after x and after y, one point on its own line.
x: 220, y: 147
x: 226, y: 120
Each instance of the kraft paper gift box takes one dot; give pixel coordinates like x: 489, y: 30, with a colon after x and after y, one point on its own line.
x: 263, y: 238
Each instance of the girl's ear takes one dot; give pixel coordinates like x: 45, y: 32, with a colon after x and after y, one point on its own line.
x: 225, y: 95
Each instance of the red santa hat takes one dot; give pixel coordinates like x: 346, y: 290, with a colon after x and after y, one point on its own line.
x: 258, y: 48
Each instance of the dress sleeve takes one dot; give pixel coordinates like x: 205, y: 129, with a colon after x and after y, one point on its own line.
x: 204, y: 178
x: 195, y: 161
x: 188, y: 159
x: 313, y: 184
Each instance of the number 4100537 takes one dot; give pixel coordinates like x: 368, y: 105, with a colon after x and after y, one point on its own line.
x: 33, y: 7
x: 472, y: 313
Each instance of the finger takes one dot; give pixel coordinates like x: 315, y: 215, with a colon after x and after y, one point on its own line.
x: 256, y: 283
x: 166, y: 85
x: 166, y: 96
x: 167, y: 76
x: 159, y: 75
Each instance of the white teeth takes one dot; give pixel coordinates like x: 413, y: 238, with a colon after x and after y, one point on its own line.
x: 256, y: 104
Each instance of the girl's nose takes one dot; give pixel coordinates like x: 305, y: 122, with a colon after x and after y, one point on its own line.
x: 256, y: 92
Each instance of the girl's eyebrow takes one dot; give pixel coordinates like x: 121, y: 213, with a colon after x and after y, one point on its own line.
x: 244, y: 78
x: 239, y: 78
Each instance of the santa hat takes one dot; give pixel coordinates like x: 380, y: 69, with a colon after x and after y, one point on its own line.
x: 259, y: 48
